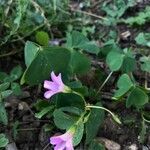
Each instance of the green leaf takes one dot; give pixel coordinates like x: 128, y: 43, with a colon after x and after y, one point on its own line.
x: 129, y: 62
x: 41, y: 104
x: 30, y: 52
x: 15, y: 87
x: 115, y: 10
x: 3, y: 75
x: 42, y: 38
x: 78, y: 87
x: 128, y: 65
x: 124, y: 84
x: 15, y: 73
x: 44, y: 111
x: 3, y: 114
x: 75, y: 84
x: 75, y: 39
x: 140, y: 19
x: 114, y: 60
x: 4, y: 86
x: 47, y: 60
x: 70, y: 99
x: 21, y: 9
x: 6, y: 93
x: 15, y: 129
x: 3, y: 140
x: 78, y: 133
x: 78, y: 40
x: 95, y: 145
x: 95, y: 119
x: 145, y: 65
x: 89, y: 47
x: 140, y: 39
x: 48, y: 127
x: 83, y: 90
x: 108, y: 47
x: 79, y: 63
x: 137, y: 98
x: 38, y: 18
x: 64, y: 118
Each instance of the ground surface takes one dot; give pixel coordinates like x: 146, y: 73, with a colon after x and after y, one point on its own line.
x: 30, y: 134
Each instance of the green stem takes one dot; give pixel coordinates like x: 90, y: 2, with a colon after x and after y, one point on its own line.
x: 103, y: 108
x: 104, y: 82
x: 148, y: 121
x: 77, y: 94
x: 132, y: 78
x: 1, y: 98
x: 81, y: 118
x: 72, y: 91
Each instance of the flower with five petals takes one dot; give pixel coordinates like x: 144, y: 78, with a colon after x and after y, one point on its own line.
x: 63, y: 142
x: 55, y: 86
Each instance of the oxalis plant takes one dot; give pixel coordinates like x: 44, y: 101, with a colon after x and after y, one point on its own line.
x: 4, y: 93
x: 66, y: 99
x: 66, y: 140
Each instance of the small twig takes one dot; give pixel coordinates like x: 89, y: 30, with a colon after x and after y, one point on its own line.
x: 31, y: 121
x: 30, y: 110
x: 63, y: 11
x: 104, y: 82
x: 46, y: 146
x: 9, y: 54
x: 107, y: 95
x: 28, y: 129
x: 38, y: 90
x: 39, y: 8
x: 8, y: 7
x: 90, y: 14
x: 28, y: 33
x: 46, y: 22
x: 20, y: 38
x: 146, y: 81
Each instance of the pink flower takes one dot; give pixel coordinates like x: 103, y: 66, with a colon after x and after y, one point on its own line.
x: 55, y: 86
x: 63, y: 142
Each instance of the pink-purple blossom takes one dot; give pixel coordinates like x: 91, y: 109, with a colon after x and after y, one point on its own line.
x: 55, y: 86
x: 63, y: 142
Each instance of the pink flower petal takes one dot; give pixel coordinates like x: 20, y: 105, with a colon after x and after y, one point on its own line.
x: 48, y: 94
x: 50, y: 85
x: 69, y: 145
x: 60, y: 146
x: 54, y: 86
x: 55, y: 140
x: 59, y: 79
x: 54, y: 77
x: 66, y: 136
x: 63, y: 142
